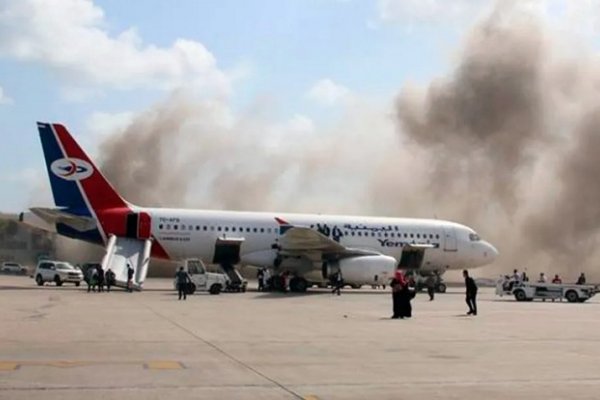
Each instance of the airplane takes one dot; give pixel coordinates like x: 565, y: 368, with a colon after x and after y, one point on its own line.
x: 307, y: 247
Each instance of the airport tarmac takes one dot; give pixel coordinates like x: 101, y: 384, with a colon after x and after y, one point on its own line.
x: 63, y: 343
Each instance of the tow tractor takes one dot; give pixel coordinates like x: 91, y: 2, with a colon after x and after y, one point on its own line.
x: 201, y: 280
x: 528, y: 291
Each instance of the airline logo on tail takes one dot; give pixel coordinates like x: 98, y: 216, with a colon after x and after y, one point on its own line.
x: 71, y: 169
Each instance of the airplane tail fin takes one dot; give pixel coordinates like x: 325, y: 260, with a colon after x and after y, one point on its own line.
x: 77, y: 185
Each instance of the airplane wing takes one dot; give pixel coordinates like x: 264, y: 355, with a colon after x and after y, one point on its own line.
x: 301, y: 241
x: 55, y: 215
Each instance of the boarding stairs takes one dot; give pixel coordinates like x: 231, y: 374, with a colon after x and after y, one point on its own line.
x: 121, y: 251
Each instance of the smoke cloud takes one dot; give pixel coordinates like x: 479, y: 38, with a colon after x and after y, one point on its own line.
x: 505, y: 142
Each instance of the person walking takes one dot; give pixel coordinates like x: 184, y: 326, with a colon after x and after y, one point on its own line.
x: 337, y: 283
x: 397, y: 284
x: 267, y: 279
x: 471, y: 292
x: 260, y: 276
x: 430, y: 284
x: 407, y: 293
x: 129, y: 277
x: 109, y: 277
x: 100, y: 279
x: 183, y: 280
x: 91, y: 279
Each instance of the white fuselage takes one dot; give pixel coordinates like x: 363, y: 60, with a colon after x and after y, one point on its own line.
x: 193, y: 234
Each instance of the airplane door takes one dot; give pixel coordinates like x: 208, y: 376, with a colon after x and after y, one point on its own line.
x: 227, y: 251
x: 411, y: 258
x: 138, y: 226
x: 450, y: 243
x: 132, y: 225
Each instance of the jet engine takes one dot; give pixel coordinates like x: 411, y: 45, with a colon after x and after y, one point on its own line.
x: 363, y: 269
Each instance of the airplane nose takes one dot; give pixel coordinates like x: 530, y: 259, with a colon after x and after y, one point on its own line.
x: 490, y: 253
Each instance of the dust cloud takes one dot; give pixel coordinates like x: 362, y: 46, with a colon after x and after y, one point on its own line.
x: 504, y: 142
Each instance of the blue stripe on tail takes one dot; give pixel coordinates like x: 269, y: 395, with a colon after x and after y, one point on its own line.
x: 66, y: 193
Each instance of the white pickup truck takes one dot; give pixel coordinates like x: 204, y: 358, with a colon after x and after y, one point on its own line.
x: 528, y: 291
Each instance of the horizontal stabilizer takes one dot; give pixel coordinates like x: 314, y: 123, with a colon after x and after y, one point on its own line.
x: 56, y: 216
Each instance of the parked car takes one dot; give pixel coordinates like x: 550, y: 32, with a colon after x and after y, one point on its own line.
x: 57, y: 272
x: 10, y: 267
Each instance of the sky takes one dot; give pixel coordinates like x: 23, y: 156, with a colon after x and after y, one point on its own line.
x: 96, y: 65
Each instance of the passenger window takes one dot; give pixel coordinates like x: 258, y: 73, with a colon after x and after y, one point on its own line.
x: 226, y: 229
x: 205, y: 227
x: 412, y: 235
x: 418, y: 236
x: 255, y: 230
x: 353, y: 233
x: 269, y: 230
x: 437, y: 236
x: 219, y: 228
x: 262, y: 230
x: 359, y: 233
x: 160, y: 226
x: 385, y: 235
x: 233, y: 229
x: 175, y: 227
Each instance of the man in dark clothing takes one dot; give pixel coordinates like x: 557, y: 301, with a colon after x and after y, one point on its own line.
x: 406, y: 295
x: 581, y: 279
x: 471, y: 293
x: 337, y: 282
x: 109, y: 277
x: 129, y: 278
x: 183, y: 280
x: 260, y: 276
x: 430, y: 283
x: 100, y: 279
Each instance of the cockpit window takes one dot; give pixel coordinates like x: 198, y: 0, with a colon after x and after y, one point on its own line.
x: 473, y: 237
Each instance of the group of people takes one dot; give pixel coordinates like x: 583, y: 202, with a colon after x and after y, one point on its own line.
x: 265, y: 281
x: 403, y: 291
x: 516, y: 277
x: 98, y: 279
